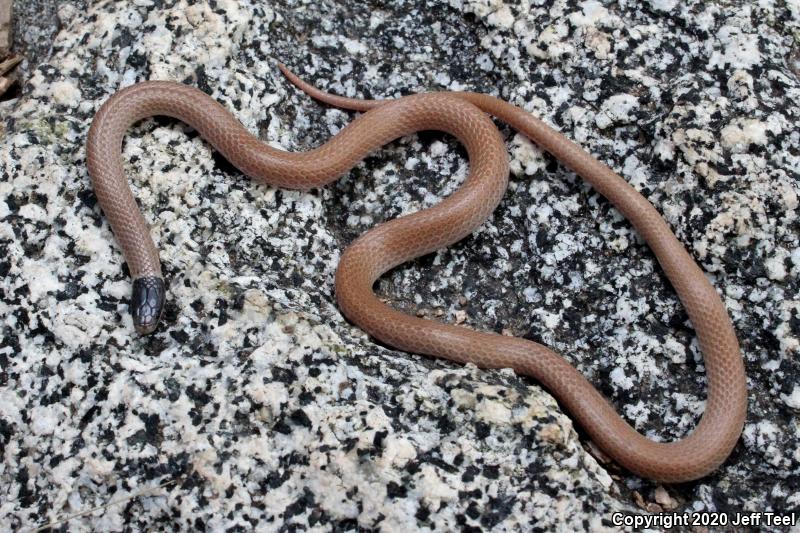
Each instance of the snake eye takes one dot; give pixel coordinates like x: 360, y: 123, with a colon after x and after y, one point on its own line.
x: 147, y: 303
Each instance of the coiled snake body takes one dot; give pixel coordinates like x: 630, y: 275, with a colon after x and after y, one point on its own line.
x: 397, y: 241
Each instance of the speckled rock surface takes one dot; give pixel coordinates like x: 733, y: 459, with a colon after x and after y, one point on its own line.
x: 257, y: 404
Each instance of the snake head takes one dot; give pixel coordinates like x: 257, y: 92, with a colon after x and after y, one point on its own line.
x: 147, y: 303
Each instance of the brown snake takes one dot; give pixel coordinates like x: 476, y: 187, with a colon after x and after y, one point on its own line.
x: 392, y: 243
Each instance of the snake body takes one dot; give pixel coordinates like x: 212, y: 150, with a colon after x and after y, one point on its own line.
x: 462, y: 115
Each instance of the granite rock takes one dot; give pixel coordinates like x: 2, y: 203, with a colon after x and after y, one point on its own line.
x: 257, y: 404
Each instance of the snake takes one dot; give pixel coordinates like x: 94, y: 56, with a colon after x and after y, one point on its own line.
x: 467, y: 117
